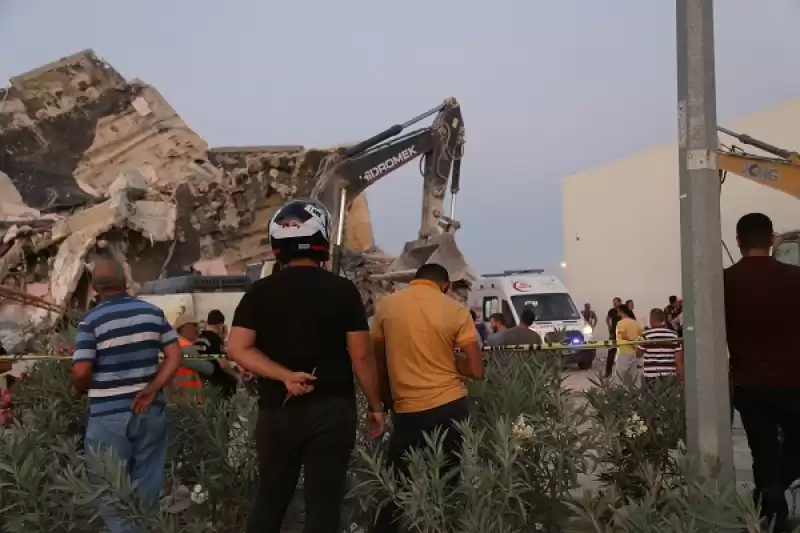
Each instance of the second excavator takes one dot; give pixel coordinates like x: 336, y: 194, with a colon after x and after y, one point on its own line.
x: 780, y: 171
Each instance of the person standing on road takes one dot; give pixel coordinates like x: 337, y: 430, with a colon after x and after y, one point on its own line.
x: 589, y: 315
x: 116, y: 362
x: 762, y: 323
x: 303, y: 331
x: 665, y: 359
x: 612, y: 318
x: 626, y: 366
x: 521, y: 334
x: 415, y: 332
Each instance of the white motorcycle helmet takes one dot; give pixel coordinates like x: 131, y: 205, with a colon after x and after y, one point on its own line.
x: 301, y: 229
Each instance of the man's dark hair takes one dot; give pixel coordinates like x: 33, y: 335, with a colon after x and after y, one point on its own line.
x: 433, y: 272
x: 215, y: 318
x: 673, y: 300
x: 754, y: 231
x: 625, y: 311
x: 500, y: 318
x: 527, y: 317
x: 658, y: 315
x: 473, y: 315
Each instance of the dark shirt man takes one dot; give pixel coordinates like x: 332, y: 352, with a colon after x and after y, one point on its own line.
x: 589, y: 315
x: 762, y: 324
x: 521, y: 334
x: 612, y: 319
x: 303, y: 331
x: 211, y: 342
x: 673, y: 311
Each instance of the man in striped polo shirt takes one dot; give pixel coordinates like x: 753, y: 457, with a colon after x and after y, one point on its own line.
x: 116, y: 363
x: 664, y: 359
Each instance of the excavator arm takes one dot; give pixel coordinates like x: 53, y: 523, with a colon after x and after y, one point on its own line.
x: 781, y: 173
x: 348, y: 172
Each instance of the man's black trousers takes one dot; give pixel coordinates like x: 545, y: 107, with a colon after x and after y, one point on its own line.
x: 318, y: 437
x: 771, y: 420
x: 408, y: 432
x: 612, y: 354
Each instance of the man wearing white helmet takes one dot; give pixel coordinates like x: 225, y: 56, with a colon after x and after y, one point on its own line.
x: 304, y: 331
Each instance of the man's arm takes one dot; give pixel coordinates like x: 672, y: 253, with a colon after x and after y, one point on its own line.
x: 608, y: 320
x: 83, y: 358
x: 379, y: 350
x: 191, y: 361
x: 359, y: 345
x: 679, y: 366
x: 470, y: 364
x: 365, y: 367
x: 242, y: 351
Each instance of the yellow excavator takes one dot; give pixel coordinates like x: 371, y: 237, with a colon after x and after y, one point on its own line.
x: 780, y: 172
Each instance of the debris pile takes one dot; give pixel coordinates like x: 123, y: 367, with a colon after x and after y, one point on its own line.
x: 92, y: 163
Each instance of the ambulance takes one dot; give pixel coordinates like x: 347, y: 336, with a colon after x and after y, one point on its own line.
x: 512, y: 291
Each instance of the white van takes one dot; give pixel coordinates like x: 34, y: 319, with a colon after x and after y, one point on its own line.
x: 512, y: 291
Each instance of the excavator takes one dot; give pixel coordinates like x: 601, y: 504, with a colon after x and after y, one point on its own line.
x: 780, y: 172
x: 343, y: 175
x: 347, y: 172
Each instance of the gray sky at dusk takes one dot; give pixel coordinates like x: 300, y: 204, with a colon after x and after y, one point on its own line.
x: 547, y: 88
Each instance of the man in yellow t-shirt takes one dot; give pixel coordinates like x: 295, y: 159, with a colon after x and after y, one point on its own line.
x: 626, y: 366
x: 416, y: 332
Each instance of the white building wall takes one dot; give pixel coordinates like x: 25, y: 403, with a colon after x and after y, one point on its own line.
x: 622, y: 225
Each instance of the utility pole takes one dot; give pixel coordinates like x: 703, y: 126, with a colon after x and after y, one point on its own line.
x: 707, y: 389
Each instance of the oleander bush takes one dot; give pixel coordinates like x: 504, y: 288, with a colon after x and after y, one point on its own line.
x: 536, y: 457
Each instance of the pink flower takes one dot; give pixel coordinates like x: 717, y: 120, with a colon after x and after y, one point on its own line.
x: 5, y: 398
x: 6, y: 417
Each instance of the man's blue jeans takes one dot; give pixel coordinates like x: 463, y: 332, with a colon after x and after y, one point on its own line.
x: 140, y: 441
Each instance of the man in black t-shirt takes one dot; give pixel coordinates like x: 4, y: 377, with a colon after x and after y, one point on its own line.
x: 212, y: 342
x: 612, y: 319
x: 303, y: 331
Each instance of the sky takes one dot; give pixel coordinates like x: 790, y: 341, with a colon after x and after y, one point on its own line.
x: 547, y: 88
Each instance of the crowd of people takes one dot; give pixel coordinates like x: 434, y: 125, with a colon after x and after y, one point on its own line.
x: 660, y: 357
x: 303, y: 331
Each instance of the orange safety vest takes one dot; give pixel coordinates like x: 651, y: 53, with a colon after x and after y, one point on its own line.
x: 186, y: 378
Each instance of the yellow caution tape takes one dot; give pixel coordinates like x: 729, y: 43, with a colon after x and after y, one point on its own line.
x: 544, y: 347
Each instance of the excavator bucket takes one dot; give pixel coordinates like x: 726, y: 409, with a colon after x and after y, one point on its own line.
x: 441, y: 249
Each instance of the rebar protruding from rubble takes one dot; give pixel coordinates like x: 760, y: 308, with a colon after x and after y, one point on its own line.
x: 14, y: 294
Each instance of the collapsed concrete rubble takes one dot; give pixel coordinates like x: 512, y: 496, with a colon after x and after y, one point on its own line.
x: 92, y: 163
